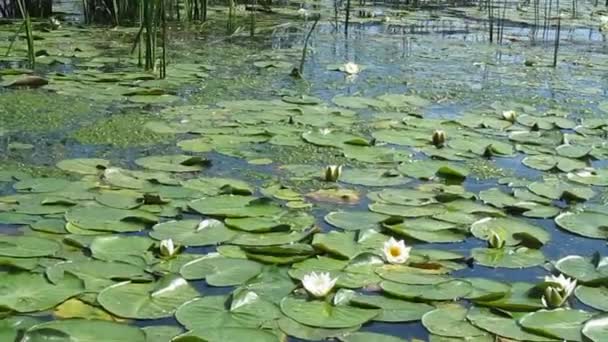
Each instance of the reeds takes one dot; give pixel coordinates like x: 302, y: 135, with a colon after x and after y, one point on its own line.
x: 27, y: 25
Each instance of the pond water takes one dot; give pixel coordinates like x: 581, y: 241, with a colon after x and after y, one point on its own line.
x: 483, y: 158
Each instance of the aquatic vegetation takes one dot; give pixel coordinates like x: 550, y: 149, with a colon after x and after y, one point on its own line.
x: 245, y: 204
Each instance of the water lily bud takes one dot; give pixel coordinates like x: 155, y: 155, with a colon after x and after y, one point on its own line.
x: 552, y: 298
x: 509, y: 115
x: 439, y: 138
x: 496, y: 241
x: 167, y: 248
x: 332, y: 173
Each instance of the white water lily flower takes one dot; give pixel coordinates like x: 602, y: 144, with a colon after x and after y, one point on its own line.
x: 396, y: 252
x: 167, y: 248
x: 351, y: 68
x: 509, y: 115
x: 303, y: 12
x: 558, y: 291
x: 318, y: 285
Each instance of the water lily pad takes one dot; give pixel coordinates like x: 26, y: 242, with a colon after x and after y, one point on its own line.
x: 213, y: 312
x: 447, y: 290
x: 228, y: 334
x: 487, y: 289
x: 24, y: 292
x: 101, y: 218
x: 85, y: 330
x: 511, y: 230
x: 147, y: 300
x: 374, y: 177
x: 301, y: 331
x: 173, y: 163
x: 393, y: 310
x: 324, y: 315
x: 556, y: 189
x: 450, y: 321
x: 596, y: 329
x: 585, y: 270
x: 563, y: 324
x: 120, y: 248
x: 220, y: 271
x: 41, y: 185
x: 96, y: 274
x: 363, y: 336
x: 235, y: 206
x: 355, y: 220
x: 84, y: 166
x: 595, y: 297
x: 161, y: 333
x: 588, y: 224
x: 509, y: 257
x: 191, y: 233
x: 501, y: 325
x: 522, y: 297
x: 27, y: 246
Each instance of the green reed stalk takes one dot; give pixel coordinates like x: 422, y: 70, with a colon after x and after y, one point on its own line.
x: 31, y: 56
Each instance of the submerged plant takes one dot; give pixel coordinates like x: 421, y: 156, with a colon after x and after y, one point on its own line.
x: 395, y: 252
x: 318, y: 284
x: 559, y: 289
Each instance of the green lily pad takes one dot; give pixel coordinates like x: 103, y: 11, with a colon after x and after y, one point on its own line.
x: 147, y: 300
x: 304, y: 332
x: 85, y: 330
x: 84, y: 166
x: 563, y: 324
x: 509, y: 257
x: 595, y: 297
x: 450, y: 321
x: 120, y: 248
x: 587, y: 224
x: 522, y: 297
x: 363, y: 336
x: 27, y: 246
x: 228, y: 334
x: 220, y: 271
x: 324, y: 315
x: 585, y: 270
x: 375, y: 177
x: 393, y: 310
x: 511, y: 230
x: 596, y: 329
x: 24, y: 292
x: 212, y: 312
x: 173, y: 163
x: 101, y: 218
x: 501, y: 325
x: 235, y: 206
x: 447, y: 290
x: 193, y: 232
